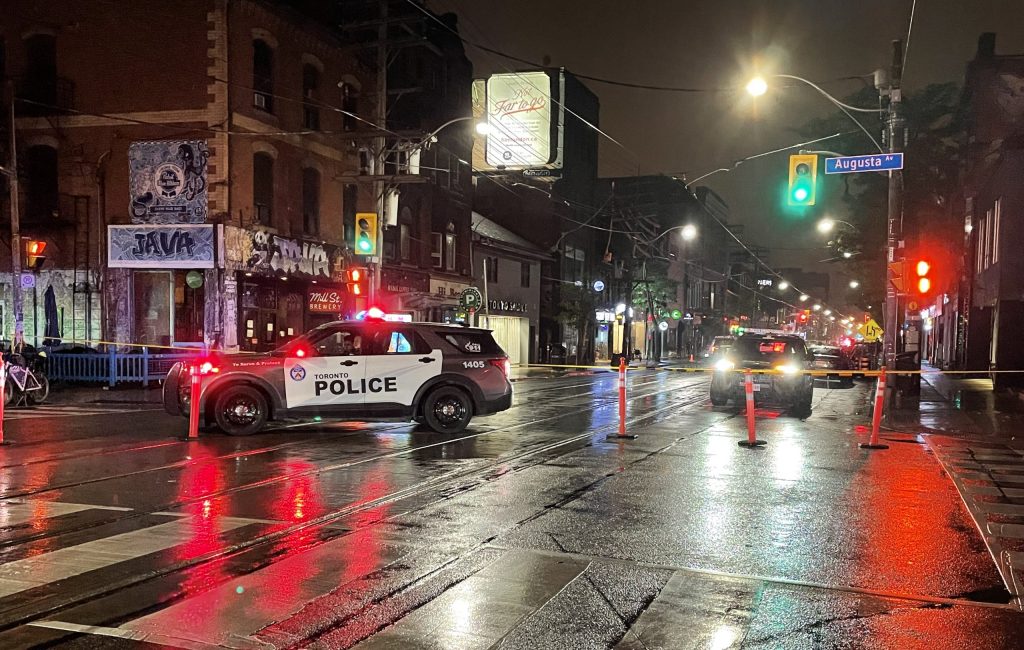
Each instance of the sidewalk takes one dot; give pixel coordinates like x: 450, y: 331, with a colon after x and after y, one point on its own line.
x: 78, y: 394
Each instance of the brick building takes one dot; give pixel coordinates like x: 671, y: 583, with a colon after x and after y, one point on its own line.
x: 184, y: 167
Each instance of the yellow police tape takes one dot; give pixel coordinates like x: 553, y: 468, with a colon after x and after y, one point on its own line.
x: 773, y: 371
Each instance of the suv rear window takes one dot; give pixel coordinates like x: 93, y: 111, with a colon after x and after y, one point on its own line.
x: 754, y: 349
x: 470, y: 342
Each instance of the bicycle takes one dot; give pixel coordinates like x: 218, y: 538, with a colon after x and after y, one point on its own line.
x: 25, y: 383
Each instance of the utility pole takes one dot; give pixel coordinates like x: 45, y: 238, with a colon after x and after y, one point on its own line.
x: 895, y: 133
x: 380, y: 146
x: 12, y: 175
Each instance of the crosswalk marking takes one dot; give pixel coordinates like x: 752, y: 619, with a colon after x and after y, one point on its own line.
x: 21, y: 575
x: 69, y: 410
x: 17, y: 511
x: 989, y: 476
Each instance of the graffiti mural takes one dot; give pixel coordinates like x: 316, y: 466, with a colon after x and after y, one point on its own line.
x: 264, y: 253
x: 167, y: 181
x: 169, y: 247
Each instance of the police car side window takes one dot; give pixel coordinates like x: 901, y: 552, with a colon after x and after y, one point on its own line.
x: 340, y: 343
x: 398, y: 342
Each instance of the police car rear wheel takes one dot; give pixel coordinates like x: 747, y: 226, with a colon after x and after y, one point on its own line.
x: 240, y: 411
x: 448, y: 410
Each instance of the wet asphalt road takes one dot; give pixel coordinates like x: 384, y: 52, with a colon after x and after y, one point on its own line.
x: 529, y: 530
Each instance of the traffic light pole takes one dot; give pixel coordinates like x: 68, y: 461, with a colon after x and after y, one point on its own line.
x: 895, y: 127
x: 380, y: 187
x: 12, y: 174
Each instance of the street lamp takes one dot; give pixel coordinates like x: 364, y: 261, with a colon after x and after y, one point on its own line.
x: 804, y: 297
x: 757, y: 86
x: 816, y: 307
x: 847, y: 254
x: 689, y: 232
x: 783, y: 285
x: 854, y: 284
x: 826, y: 225
x: 828, y: 312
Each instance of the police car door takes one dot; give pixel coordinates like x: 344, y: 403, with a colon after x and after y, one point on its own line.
x: 333, y: 375
x: 400, y: 362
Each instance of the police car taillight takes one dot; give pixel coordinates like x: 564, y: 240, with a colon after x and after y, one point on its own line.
x: 503, y: 364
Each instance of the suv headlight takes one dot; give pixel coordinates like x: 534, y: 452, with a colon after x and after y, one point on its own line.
x: 724, y: 365
x: 787, y: 369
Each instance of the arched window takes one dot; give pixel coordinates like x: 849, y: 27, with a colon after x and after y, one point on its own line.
x: 310, y: 201
x: 310, y: 86
x: 349, y: 104
x: 263, y: 187
x: 39, y: 171
x: 263, y: 75
x: 40, y: 80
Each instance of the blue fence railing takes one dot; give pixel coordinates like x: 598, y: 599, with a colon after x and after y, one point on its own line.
x: 112, y: 367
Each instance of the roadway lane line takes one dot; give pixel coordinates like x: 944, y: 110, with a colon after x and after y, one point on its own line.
x: 19, y: 511
x: 38, y: 570
x: 114, y: 632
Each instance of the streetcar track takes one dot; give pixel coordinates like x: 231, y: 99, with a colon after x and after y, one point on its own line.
x: 283, y: 478
x: 348, y: 510
x: 284, y: 424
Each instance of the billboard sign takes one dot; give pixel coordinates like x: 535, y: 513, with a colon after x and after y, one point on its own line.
x: 160, y: 247
x: 518, y: 109
x: 167, y: 181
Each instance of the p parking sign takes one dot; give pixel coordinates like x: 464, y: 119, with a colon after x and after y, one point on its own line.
x: 471, y: 298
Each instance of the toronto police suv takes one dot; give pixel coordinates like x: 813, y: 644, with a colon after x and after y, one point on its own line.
x: 437, y: 374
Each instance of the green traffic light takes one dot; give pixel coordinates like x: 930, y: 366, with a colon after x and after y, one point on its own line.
x: 800, y: 194
x: 364, y: 244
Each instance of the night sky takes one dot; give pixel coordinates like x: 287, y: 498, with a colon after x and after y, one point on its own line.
x: 719, y: 44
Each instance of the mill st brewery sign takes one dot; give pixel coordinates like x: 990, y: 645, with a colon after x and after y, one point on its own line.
x: 326, y: 300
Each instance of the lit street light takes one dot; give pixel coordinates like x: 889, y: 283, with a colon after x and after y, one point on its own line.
x: 828, y: 312
x: 483, y: 128
x: 783, y: 285
x: 689, y: 232
x: 847, y: 254
x: 816, y: 307
x: 757, y: 86
x: 826, y: 225
x: 854, y: 284
x: 804, y: 297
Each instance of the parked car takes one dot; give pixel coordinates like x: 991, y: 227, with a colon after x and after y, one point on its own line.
x: 832, y: 357
x: 719, y: 345
x: 785, y: 357
x: 437, y: 374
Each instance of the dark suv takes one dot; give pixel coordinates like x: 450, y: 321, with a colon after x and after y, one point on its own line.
x: 786, y: 357
x: 439, y: 374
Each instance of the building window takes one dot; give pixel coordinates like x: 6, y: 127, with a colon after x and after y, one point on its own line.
x: 310, y: 85
x: 40, y: 177
x: 435, y: 250
x: 491, y: 268
x: 350, y: 106
x: 40, y: 82
x: 574, y: 258
x: 404, y: 242
x: 524, y: 274
x: 263, y: 76
x: 449, y: 251
x: 263, y: 187
x: 310, y: 201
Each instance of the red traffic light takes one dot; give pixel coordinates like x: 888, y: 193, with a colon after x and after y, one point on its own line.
x: 35, y: 247
x: 924, y: 283
x: 34, y: 256
x: 922, y: 268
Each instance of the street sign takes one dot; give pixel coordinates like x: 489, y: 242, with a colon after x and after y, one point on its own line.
x: 897, y: 269
x: 663, y: 326
x: 870, y: 330
x: 471, y: 298
x: 598, y: 286
x: 676, y: 314
x: 28, y: 280
x: 873, y: 163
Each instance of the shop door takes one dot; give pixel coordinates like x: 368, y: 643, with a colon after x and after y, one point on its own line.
x: 508, y: 333
x: 153, y: 305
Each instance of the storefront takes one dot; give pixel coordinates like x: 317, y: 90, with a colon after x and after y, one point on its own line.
x: 285, y: 286
x: 170, y: 265
x: 511, y: 327
x: 406, y: 292
x: 445, y: 298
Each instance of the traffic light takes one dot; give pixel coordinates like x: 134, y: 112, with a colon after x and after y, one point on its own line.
x: 803, y: 179
x: 804, y: 315
x: 34, y: 257
x: 924, y: 281
x: 355, y: 281
x: 366, y: 233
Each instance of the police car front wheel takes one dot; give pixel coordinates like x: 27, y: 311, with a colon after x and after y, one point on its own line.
x: 240, y: 410
x: 448, y: 410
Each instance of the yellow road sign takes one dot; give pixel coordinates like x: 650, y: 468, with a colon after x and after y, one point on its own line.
x: 870, y: 330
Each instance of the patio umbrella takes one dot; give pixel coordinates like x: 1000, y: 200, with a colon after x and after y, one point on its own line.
x: 51, y: 332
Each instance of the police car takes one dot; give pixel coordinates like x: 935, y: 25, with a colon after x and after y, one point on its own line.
x: 437, y: 374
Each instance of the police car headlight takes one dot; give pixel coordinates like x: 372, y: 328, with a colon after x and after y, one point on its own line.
x: 724, y: 365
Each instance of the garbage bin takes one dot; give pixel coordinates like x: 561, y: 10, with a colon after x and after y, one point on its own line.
x: 557, y: 353
x: 909, y: 385
x: 616, y: 359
